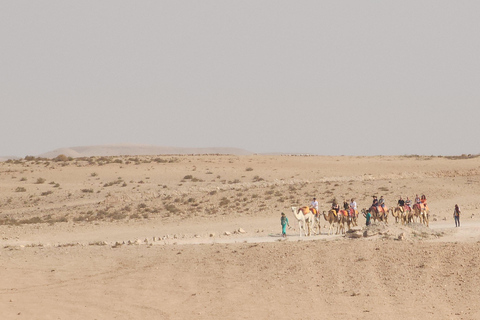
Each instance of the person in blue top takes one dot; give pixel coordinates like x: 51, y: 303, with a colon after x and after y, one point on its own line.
x: 367, y: 216
x: 284, y: 222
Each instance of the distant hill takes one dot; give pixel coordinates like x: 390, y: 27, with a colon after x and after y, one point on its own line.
x: 137, y: 150
x: 5, y: 158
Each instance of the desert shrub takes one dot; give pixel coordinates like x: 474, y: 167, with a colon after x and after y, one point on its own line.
x: 109, y: 184
x: 141, y: 206
x: 31, y: 220
x: 46, y: 193
x: 61, y: 157
x: 40, y: 181
x: 212, y: 192
x: 224, y: 201
x: 23, y: 179
x: 20, y: 189
x: 188, y: 177
x: 87, y: 190
x: 93, y: 174
x: 249, y: 169
x: 134, y: 216
x: 172, y: 208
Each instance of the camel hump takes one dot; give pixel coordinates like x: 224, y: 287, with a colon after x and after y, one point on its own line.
x: 305, y: 210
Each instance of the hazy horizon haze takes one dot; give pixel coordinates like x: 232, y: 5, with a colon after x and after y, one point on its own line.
x: 316, y: 77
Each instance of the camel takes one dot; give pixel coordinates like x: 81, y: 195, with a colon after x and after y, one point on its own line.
x: 425, y: 216
x: 353, y: 219
x: 305, y: 220
x: 331, y: 218
x: 377, y: 215
x: 417, y: 211
x: 317, y: 223
x: 407, y: 217
x: 342, y: 218
x: 397, y: 214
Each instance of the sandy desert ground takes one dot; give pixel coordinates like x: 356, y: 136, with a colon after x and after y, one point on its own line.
x: 157, y: 237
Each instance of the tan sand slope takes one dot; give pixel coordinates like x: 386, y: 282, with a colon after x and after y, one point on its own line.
x: 177, y: 237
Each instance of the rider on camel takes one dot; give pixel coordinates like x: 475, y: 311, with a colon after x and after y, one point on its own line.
x: 353, y: 207
x: 375, y: 201
x: 417, y: 201
x: 335, y: 207
x: 408, y: 204
x: 314, y: 205
x: 401, y: 204
x: 423, y: 200
x: 381, y: 203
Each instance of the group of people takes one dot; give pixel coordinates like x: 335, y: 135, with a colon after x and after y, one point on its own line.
x: 352, y: 207
x: 407, y: 204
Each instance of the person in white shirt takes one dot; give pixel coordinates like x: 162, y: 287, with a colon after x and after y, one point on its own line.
x: 314, y: 204
x: 353, y: 205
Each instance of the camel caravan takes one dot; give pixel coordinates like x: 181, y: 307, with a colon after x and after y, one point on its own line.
x: 309, y: 217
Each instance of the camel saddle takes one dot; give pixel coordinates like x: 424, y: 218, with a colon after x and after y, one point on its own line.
x: 344, y: 213
x: 306, y: 210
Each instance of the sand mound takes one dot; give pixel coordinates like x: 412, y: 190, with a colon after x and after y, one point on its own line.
x: 413, y: 231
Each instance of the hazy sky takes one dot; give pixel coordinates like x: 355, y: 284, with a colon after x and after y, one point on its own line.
x: 321, y: 77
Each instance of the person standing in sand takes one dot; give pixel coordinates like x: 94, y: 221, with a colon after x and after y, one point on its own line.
x: 456, y: 215
x: 284, y: 221
x: 367, y: 216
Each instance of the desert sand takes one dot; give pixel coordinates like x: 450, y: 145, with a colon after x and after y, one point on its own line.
x: 198, y: 237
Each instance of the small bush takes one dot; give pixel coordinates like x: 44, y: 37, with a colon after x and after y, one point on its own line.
x: 224, y: 201
x: 20, y: 189
x: 40, y: 181
x: 61, y: 157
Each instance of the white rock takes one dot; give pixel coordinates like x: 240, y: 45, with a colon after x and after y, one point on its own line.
x: 241, y: 231
x: 227, y: 233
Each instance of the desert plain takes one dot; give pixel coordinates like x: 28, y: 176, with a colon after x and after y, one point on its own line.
x: 198, y: 237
